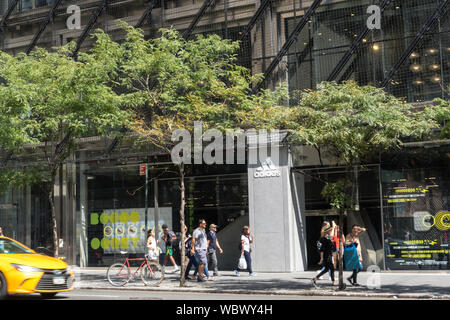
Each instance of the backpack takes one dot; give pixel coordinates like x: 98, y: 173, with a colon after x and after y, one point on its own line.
x: 172, y: 238
x: 188, y: 245
x: 319, y: 245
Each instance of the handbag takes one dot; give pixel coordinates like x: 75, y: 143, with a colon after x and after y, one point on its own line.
x: 351, y: 258
x: 242, y: 264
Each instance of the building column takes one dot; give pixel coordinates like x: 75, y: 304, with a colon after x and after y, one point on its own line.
x: 82, y: 214
x: 275, y: 215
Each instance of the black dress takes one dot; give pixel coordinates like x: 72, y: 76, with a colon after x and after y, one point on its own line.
x: 327, y: 247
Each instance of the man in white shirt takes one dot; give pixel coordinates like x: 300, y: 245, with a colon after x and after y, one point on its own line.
x: 199, y: 247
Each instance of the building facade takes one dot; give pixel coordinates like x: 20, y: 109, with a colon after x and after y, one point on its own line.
x: 104, y: 204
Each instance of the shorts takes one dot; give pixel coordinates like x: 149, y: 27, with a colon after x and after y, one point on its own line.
x: 169, y: 251
x: 201, y: 256
x: 153, y: 255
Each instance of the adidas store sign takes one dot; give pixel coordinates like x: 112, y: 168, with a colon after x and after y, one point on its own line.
x: 267, y: 170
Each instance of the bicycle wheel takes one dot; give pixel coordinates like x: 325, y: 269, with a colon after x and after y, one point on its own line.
x: 152, y: 274
x: 118, y: 274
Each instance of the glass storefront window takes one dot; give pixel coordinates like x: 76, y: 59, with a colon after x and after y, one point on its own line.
x: 115, y: 198
x: 417, y: 218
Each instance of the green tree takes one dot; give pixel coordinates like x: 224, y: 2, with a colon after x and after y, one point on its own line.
x: 351, y: 122
x: 170, y: 83
x: 440, y: 112
x: 62, y: 100
x: 15, y: 97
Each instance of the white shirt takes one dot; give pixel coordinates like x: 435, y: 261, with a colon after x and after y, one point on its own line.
x: 152, y: 246
x: 246, y: 243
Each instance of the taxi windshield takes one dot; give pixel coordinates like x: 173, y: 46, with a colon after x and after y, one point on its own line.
x: 10, y: 247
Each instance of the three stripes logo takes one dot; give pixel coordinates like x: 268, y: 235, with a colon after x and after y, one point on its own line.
x: 267, y: 170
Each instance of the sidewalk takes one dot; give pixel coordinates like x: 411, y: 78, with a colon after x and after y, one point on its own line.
x: 420, y: 285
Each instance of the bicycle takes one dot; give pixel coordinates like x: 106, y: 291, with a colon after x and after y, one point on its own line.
x: 151, y: 272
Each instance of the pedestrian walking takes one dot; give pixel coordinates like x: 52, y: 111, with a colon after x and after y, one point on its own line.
x: 152, y: 249
x: 247, y: 238
x: 213, y: 246
x: 1, y: 232
x: 190, y: 259
x: 205, y: 272
x: 169, y: 238
x: 327, y: 249
x: 199, y: 247
x: 352, y: 253
x: 193, y: 261
x: 335, y: 238
x: 325, y: 225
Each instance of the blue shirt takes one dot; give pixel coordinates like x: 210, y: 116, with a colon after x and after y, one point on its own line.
x: 212, y: 237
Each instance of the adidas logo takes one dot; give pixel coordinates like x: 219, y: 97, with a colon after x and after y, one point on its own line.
x: 267, y: 170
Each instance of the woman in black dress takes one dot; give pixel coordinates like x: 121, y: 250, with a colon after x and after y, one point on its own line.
x: 327, y: 250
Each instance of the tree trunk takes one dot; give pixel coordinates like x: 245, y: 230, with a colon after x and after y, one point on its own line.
x: 182, y: 225
x: 53, y: 210
x: 342, y: 285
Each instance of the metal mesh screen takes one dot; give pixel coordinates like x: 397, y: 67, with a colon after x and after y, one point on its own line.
x: 330, y: 33
x: 312, y: 57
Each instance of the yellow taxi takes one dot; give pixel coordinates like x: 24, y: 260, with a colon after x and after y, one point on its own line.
x: 23, y: 271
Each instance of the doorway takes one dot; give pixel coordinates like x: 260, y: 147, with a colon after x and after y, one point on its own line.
x: 367, y: 209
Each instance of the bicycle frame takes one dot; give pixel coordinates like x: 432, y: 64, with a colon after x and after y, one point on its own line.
x: 127, y: 263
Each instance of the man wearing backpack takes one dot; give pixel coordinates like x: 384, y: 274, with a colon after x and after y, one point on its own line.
x: 169, y: 237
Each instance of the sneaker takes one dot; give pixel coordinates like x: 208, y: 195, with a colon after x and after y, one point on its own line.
x: 237, y: 273
x: 176, y: 269
x: 349, y: 279
x: 252, y: 274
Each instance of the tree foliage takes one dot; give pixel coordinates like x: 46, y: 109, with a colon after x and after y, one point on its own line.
x: 54, y: 100
x: 351, y: 120
x: 169, y: 83
x: 440, y: 112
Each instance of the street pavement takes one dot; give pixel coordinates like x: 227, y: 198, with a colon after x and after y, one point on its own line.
x: 141, y: 295
x: 397, y: 285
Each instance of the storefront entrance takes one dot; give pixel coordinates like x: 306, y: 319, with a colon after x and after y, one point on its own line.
x: 367, y: 211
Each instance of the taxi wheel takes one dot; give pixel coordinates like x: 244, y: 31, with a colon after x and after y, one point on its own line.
x: 48, y: 295
x: 3, y: 287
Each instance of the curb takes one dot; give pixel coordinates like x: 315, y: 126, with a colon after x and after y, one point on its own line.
x: 313, y: 293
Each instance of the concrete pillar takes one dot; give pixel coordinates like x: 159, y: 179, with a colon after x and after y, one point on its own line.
x: 82, y: 214
x: 275, y: 215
